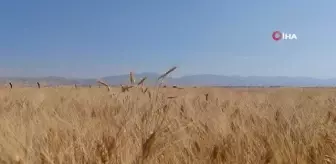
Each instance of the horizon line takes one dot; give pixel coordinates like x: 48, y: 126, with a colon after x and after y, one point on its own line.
x: 171, y: 76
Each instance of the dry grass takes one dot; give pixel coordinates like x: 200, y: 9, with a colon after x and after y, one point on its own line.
x: 198, y: 125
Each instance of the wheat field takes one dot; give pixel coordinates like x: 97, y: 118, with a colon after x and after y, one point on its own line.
x: 167, y: 125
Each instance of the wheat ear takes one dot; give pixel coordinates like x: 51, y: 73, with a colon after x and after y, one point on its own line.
x: 168, y: 72
x: 125, y: 88
x: 103, y: 83
x: 142, y: 80
x: 132, y: 80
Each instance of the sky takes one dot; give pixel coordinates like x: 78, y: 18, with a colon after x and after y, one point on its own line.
x: 86, y: 38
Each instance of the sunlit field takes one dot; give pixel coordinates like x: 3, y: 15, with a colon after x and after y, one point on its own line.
x: 167, y: 125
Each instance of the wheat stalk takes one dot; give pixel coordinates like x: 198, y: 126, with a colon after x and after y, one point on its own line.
x: 158, y: 85
x: 38, y: 85
x: 11, y: 85
x: 103, y: 83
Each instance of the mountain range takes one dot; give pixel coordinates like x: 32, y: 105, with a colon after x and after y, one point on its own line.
x: 192, y: 80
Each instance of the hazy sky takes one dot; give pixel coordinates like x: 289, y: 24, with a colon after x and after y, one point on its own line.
x: 94, y: 38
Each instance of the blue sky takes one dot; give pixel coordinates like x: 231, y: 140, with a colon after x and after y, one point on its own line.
x: 86, y: 38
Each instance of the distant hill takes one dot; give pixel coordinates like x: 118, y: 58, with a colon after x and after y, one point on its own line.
x: 199, y: 80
